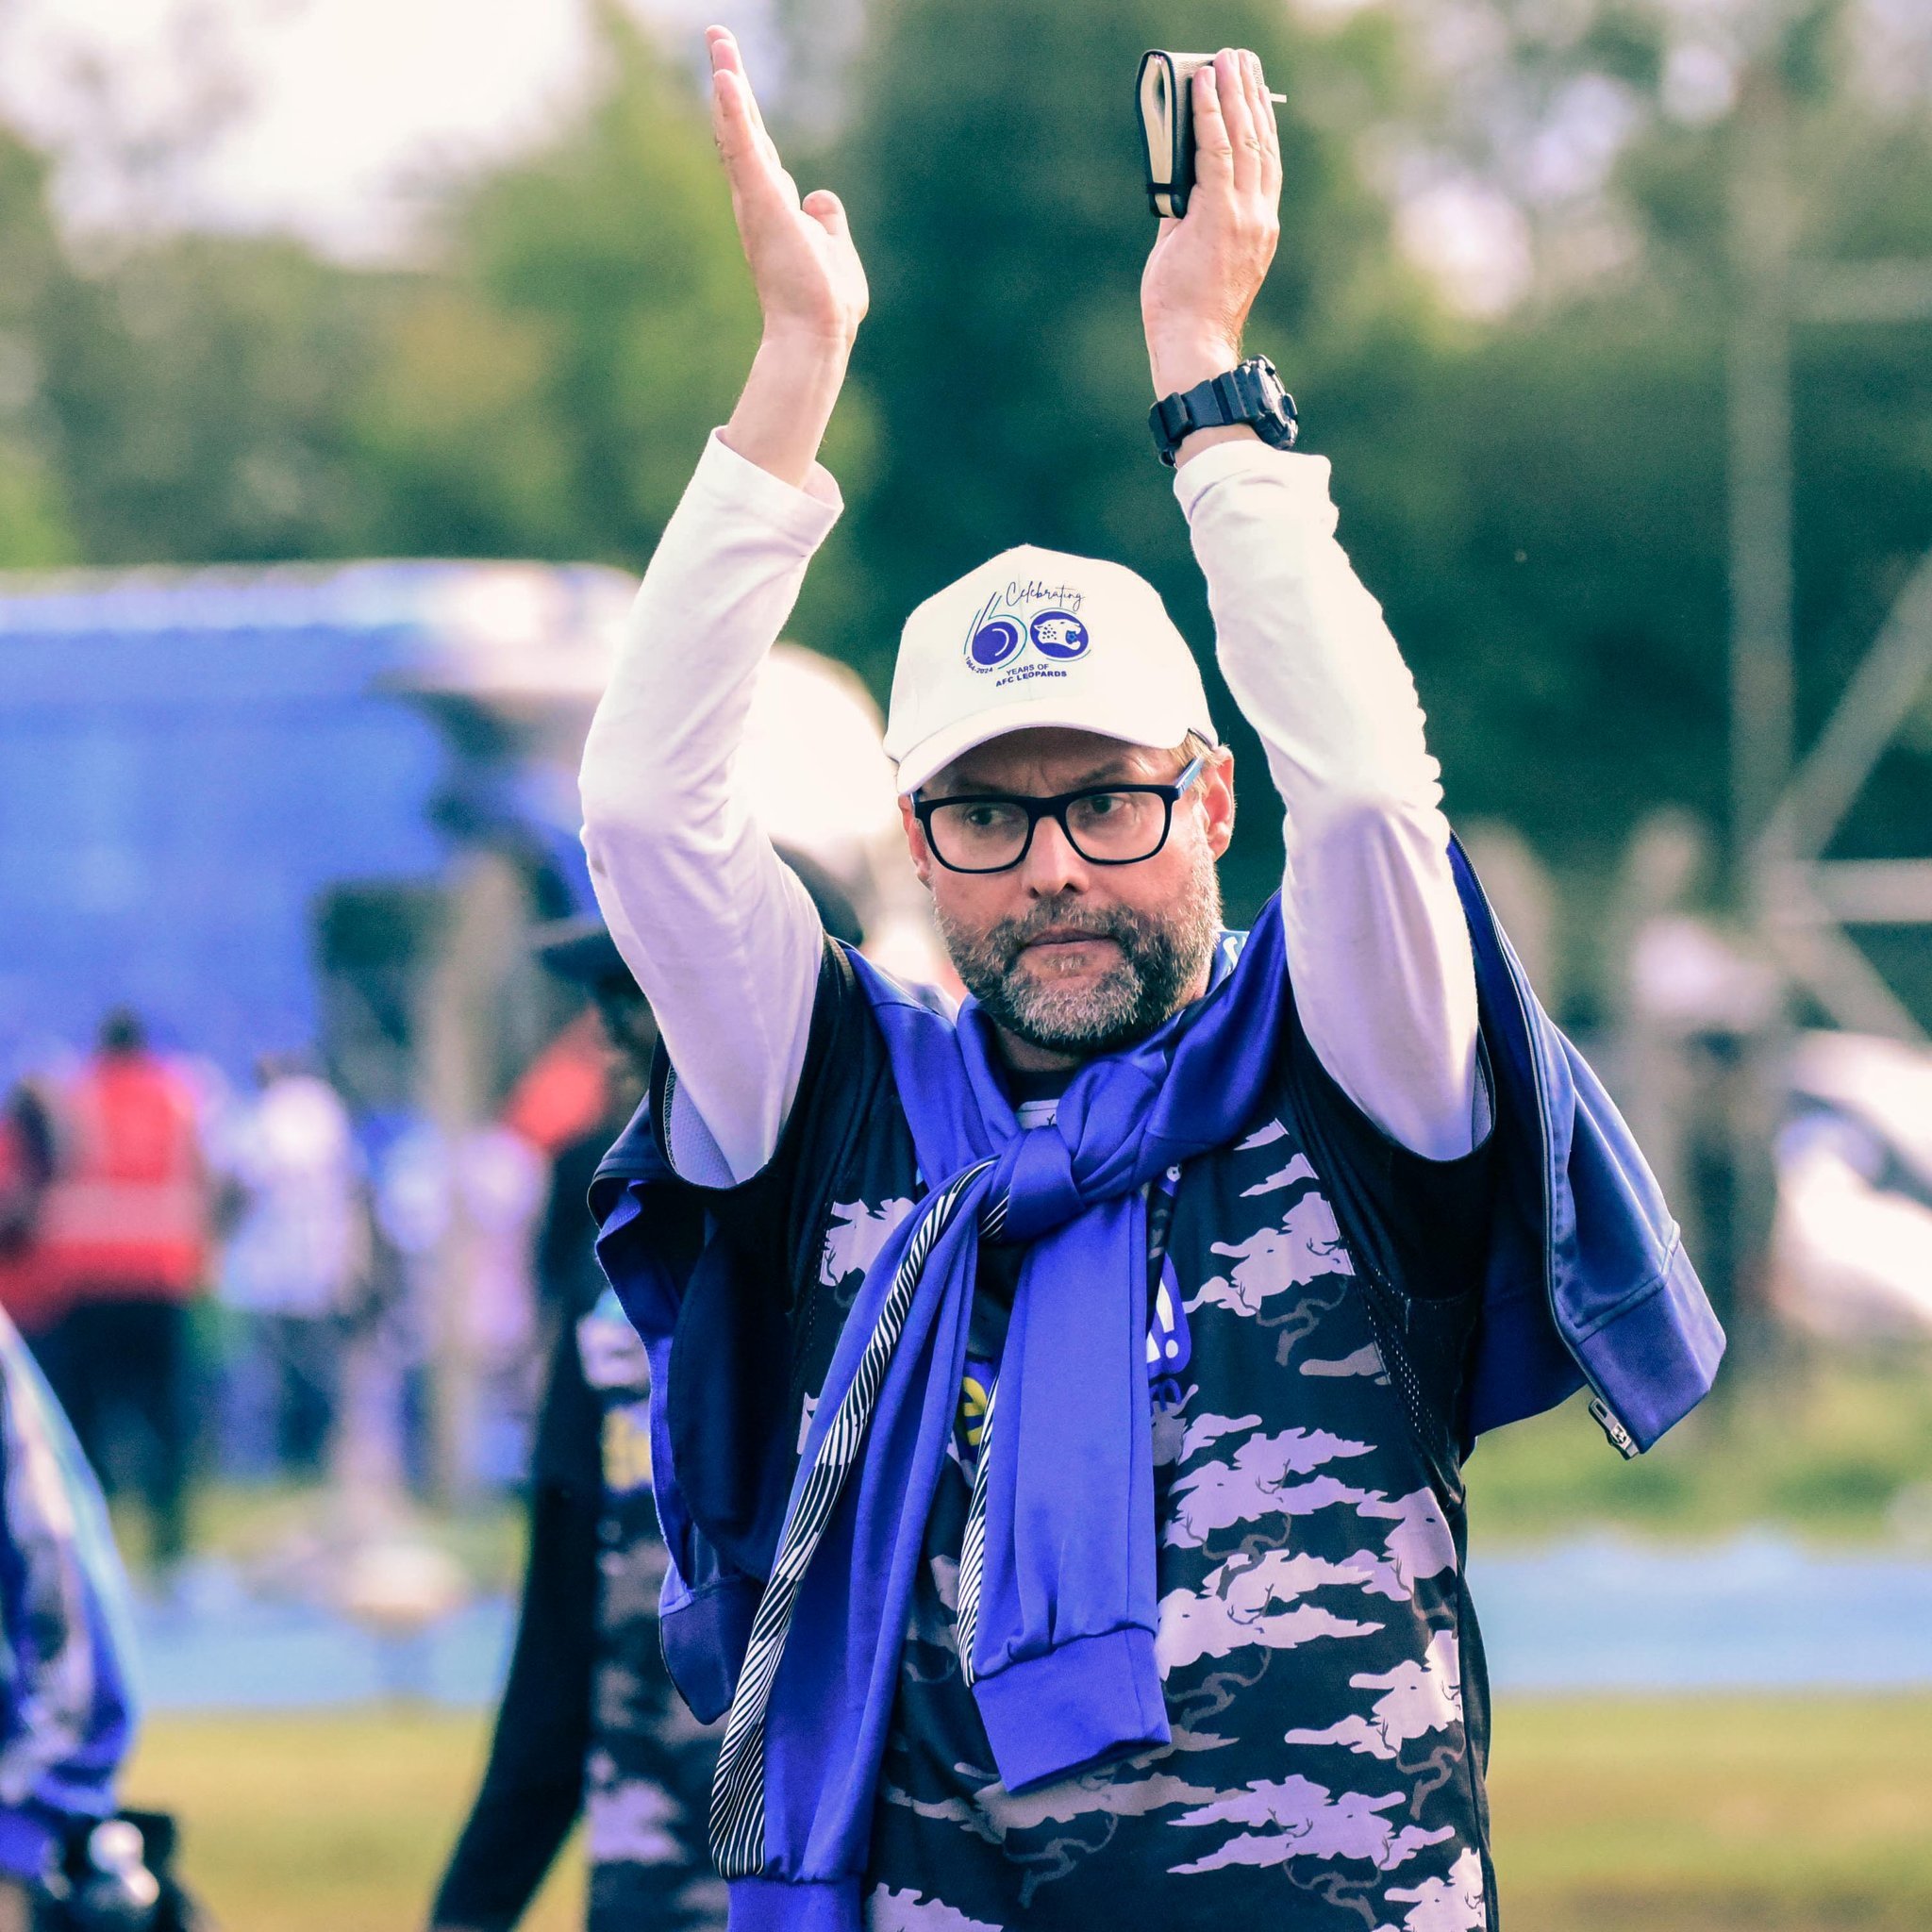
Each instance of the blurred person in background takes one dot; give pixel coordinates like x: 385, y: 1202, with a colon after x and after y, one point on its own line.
x: 294, y: 1262
x: 589, y: 1719
x: 560, y: 1106
x: 499, y: 1183
x: 1697, y: 1011
x: 26, y: 1168
x: 487, y: 1186
x: 125, y: 1232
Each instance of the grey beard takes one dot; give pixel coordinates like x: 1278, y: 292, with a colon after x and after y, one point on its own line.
x: 1161, y: 960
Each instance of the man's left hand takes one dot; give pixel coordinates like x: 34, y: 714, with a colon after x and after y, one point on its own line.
x: 1207, y: 269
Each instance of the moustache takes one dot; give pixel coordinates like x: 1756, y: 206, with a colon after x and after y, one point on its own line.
x: 1012, y: 937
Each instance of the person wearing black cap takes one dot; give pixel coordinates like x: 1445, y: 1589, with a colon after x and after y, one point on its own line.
x: 587, y: 1720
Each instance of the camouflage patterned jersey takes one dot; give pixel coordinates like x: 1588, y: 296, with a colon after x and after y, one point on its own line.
x: 647, y: 1775
x: 1323, y: 1676
x: 590, y: 1723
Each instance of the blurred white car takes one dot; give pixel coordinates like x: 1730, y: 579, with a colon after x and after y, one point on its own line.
x: 1853, y: 1249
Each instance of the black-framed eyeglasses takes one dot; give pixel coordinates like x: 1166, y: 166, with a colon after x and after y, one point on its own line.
x: 1106, y: 824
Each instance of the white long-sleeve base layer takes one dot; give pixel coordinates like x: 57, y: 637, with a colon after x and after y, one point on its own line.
x: 725, y: 943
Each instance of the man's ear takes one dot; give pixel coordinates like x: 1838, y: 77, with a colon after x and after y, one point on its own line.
x: 1216, y: 790
x: 915, y: 843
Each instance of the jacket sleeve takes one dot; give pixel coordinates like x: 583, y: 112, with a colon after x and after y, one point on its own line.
x: 70, y: 1716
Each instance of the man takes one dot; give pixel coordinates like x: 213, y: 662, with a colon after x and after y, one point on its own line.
x: 294, y: 1261
x: 1062, y: 1406
x: 124, y: 1234
x: 588, y: 1722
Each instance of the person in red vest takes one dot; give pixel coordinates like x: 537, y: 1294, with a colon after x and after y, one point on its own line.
x: 124, y: 1232
x: 26, y: 1167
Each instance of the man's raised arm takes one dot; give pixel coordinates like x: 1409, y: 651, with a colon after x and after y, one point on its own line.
x: 721, y: 936
x: 1384, y: 978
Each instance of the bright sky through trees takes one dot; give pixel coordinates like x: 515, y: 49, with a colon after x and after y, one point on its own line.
x: 315, y: 115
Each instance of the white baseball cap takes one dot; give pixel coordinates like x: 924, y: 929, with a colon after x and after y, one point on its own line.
x: 1037, y: 638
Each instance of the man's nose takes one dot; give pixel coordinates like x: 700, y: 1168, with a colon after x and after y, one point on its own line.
x: 1050, y: 864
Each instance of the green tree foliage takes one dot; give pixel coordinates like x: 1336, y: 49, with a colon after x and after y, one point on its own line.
x: 462, y: 454
x: 549, y: 391
x: 541, y: 390
x: 995, y: 181
x: 1539, y: 500
x: 198, y: 391
x: 35, y: 528
x: 1578, y: 618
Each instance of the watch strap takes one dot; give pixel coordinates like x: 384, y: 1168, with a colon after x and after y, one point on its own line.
x: 1251, y: 392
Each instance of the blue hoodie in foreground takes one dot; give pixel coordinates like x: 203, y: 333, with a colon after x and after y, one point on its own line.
x: 67, y: 1710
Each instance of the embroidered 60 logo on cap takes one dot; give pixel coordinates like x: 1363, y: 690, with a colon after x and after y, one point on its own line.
x: 1037, y: 638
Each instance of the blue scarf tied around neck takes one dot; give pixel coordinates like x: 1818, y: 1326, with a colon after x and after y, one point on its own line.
x: 1058, y: 1608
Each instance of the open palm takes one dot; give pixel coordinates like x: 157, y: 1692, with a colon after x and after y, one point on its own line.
x: 807, y: 273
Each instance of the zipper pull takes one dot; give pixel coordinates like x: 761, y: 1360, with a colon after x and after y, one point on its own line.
x: 1621, y: 1441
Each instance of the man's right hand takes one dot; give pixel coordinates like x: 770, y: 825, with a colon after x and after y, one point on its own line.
x: 807, y: 274
x: 808, y: 281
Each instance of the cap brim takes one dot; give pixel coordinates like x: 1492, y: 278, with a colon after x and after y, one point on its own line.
x: 1158, y: 731
x: 578, y: 950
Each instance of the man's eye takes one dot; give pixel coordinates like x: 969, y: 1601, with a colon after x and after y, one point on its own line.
x: 989, y: 818
x: 1101, y: 804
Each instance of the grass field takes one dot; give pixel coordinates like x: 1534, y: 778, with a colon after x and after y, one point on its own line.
x: 1829, y: 1450
x: 1832, y: 1451
x: 1714, y: 1815
x: 1721, y: 1815
x: 337, y: 1822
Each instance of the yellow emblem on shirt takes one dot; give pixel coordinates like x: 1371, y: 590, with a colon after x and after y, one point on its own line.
x: 974, y: 1397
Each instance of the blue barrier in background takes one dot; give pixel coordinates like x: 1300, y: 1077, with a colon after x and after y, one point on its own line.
x: 188, y: 760
x: 1754, y: 1614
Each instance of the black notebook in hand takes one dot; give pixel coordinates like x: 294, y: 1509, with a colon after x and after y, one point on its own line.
x: 1164, y: 98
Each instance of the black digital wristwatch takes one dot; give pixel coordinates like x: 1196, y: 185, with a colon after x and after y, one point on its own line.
x: 1250, y: 394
